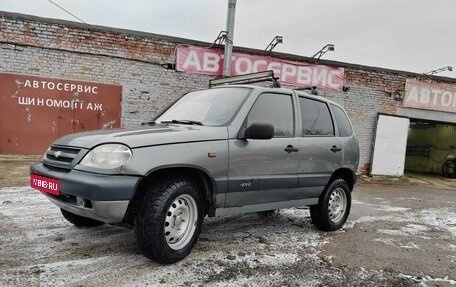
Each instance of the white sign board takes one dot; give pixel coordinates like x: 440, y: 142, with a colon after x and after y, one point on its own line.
x: 390, y: 146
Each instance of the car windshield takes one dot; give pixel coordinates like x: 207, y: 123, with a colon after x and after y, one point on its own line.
x: 213, y: 107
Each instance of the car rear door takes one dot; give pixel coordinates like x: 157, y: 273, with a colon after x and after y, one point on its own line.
x: 320, y: 148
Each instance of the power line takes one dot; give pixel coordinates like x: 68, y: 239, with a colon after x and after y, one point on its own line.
x: 68, y: 12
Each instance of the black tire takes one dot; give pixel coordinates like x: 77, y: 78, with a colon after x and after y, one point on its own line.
x: 321, y: 213
x: 80, y: 221
x: 158, y: 208
x: 449, y: 168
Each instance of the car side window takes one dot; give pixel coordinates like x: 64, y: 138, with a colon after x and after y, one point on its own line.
x: 345, y: 129
x: 316, y: 118
x: 276, y: 109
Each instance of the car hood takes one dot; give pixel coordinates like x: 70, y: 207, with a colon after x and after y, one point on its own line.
x: 145, y: 136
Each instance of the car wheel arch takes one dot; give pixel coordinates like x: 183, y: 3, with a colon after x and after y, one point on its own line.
x: 346, y: 174
x: 202, y: 179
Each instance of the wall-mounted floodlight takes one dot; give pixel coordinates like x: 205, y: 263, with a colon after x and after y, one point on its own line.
x: 326, y: 48
x: 169, y: 66
x: 433, y: 72
x: 221, y: 38
x: 274, y: 42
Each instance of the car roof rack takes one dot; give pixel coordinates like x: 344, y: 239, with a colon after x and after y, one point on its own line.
x: 267, y: 76
x: 313, y: 90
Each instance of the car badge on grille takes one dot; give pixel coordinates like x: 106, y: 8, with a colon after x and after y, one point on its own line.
x: 57, y: 154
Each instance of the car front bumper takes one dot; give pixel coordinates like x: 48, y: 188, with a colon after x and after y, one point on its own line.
x: 97, y: 196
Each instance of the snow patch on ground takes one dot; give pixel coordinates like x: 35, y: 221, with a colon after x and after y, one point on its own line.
x: 408, y: 198
x: 397, y: 243
x: 382, y: 207
x: 414, y: 230
x: 369, y: 219
x: 429, y: 280
x: 442, y: 219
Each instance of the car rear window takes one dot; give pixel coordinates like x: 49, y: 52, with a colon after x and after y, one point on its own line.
x: 345, y: 129
x: 316, y: 118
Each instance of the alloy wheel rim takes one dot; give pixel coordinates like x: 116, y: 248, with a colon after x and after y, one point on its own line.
x: 180, y: 222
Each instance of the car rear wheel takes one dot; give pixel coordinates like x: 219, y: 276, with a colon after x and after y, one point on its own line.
x: 169, y: 221
x: 81, y: 221
x: 333, y: 207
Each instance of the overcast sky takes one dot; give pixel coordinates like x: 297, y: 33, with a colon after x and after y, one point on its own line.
x: 410, y: 35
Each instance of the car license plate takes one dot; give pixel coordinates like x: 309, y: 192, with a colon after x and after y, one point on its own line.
x: 45, y: 184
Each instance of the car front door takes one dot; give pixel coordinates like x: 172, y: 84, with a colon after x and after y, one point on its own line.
x: 321, y: 151
x: 265, y: 171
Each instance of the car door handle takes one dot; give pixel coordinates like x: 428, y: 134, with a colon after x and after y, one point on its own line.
x: 290, y: 149
x: 335, y: 148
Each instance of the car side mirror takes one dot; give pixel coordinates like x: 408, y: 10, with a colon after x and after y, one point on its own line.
x: 259, y: 131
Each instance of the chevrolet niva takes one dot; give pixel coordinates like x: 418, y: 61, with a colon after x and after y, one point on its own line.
x: 220, y: 151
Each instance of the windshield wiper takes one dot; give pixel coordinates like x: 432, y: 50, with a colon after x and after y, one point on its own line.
x: 185, y: 122
x: 151, y: 123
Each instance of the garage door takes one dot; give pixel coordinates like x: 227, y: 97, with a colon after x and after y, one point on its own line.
x: 390, y: 146
x: 34, y: 111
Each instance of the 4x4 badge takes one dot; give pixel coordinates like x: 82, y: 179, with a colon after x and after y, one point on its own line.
x: 57, y: 154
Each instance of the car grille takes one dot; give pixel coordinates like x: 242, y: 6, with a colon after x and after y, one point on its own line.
x: 62, y: 157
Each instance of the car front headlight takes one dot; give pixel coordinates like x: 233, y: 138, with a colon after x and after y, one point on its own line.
x: 107, y: 156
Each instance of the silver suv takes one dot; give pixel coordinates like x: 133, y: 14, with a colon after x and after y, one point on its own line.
x: 220, y: 151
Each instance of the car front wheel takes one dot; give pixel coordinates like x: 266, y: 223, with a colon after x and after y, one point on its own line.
x: 333, y: 207
x: 169, y: 221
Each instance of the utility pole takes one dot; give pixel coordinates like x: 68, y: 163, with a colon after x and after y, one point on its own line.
x: 229, y: 38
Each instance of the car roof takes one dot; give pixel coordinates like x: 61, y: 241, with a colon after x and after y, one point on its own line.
x: 283, y: 90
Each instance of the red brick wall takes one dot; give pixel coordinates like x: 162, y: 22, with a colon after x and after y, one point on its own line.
x: 55, y: 48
